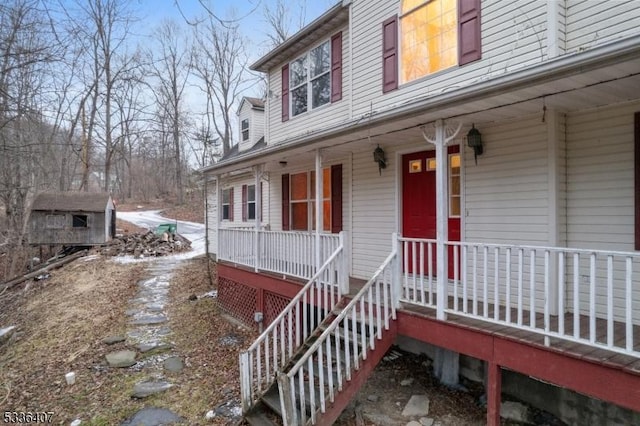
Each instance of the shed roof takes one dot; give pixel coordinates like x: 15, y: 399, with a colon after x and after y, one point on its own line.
x: 71, y: 201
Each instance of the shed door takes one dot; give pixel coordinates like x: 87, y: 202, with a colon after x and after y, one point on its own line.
x: 419, y: 200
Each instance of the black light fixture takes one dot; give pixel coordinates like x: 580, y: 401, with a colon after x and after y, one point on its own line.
x: 474, y: 140
x: 378, y: 157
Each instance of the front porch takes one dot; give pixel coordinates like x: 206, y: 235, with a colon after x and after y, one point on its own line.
x: 552, y: 313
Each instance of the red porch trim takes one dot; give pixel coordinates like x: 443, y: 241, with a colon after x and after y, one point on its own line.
x: 608, y: 383
x: 283, y: 287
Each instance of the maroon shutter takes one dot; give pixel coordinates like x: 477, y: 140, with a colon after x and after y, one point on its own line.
x: 636, y: 137
x: 285, y: 203
x: 244, y: 203
x: 285, y: 93
x: 231, y: 204
x: 390, y: 54
x: 261, y: 202
x: 336, y: 198
x: 336, y: 67
x: 469, y: 46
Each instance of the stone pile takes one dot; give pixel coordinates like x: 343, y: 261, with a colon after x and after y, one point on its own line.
x: 146, y: 245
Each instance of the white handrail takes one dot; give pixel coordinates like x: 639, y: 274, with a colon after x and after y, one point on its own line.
x: 370, y: 310
x: 544, y: 290
x: 260, y: 363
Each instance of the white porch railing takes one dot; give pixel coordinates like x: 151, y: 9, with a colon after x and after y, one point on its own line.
x: 260, y: 363
x: 285, y: 252
x: 590, y: 297
x: 350, y: 336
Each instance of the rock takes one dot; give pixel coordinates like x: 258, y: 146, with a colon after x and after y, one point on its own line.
x: 418, y: 405
x: 149, y: 319
x: 6, y: 333
x: 426, y: 421
x: 159, y: 347
x: 111, y: 340
x: 173, y: 364
x: 413, y: 423
x: 152, y: 416
x: 515, y: 411
x: 121, y: 359
x: 407, y: 382
x: 373, y: 398
x: 210, y: 415
x: 145, y: 389
x: 76, y: 422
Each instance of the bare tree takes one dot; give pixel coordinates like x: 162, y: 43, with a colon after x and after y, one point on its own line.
x: 280, y: 18
x: 171, y: 65
x: 219, y: 64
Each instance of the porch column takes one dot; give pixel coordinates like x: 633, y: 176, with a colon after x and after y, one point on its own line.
x: 443, y: 135
x: 319, y: 215
x: 442, y: 213
x: 257, y: 172
x: 557, y: 182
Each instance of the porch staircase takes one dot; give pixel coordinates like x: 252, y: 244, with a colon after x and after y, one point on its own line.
x: 316, y: 381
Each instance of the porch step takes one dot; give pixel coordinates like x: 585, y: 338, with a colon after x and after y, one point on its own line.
x: 259, y: 417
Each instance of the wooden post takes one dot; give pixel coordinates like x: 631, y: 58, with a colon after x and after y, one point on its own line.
x: 494, y: 393
x: 289, y: 416
x: 319, y: 207
x: 442, y: 214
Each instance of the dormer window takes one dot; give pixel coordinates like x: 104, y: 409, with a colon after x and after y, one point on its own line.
x: 310, y: 77
x: 245, y: 129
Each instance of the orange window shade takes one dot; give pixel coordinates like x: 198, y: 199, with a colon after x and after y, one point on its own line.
x: 299, y: 186
x: 299, y: 216
x: 326, y: 183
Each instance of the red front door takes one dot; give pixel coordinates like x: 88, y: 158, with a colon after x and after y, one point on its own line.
x: 419, y: 200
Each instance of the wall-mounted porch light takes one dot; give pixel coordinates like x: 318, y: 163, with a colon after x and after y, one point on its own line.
x: 378, y: 157
x: 474, y: 140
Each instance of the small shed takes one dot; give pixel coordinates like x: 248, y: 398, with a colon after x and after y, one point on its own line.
x: 72, y: 219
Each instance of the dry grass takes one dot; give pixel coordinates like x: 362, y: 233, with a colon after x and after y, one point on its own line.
x: 61, y: 324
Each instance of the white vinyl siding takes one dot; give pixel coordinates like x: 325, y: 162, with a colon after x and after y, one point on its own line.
x: 600, y: 183
x: 256, y: 125
x: 591, y: 23
x: 513, y: 37
x: 506, y: 198
x: 325, y: 116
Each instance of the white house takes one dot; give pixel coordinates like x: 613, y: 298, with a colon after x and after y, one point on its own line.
x: 480, y: 171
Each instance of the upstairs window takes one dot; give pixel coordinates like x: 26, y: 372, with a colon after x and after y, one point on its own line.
x: 428, y: 37
x: 310, y: 79
x: 245, y: 129
x: 313, y: 79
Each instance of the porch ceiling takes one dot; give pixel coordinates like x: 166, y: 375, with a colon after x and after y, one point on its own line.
x: 567, y: 84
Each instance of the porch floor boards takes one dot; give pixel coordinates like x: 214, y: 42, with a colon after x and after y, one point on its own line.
x: 578, y: 350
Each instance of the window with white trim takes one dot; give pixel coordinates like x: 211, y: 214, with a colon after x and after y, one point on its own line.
x: 454, y: 185
x: 245, y: 129
x: 227, y: 204
x: 251, y: 202
x: 428, y: 37
x: 310, y: 79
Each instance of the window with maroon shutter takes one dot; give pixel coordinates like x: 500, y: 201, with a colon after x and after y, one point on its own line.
x: 469, y: 48
x: 244, y: 203
x: 409, y: 52
x: 636, y: 136
x: 390, y: 54
x: 299, y: 200
x: 336, y: 67
x: 285, y: 92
